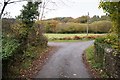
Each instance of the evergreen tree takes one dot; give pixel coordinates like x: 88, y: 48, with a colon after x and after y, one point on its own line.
x: 29, y: 14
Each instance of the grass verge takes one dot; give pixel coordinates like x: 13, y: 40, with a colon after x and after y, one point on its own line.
x: 94, y: 67
x: 28, y: 64
x: 68, y: 40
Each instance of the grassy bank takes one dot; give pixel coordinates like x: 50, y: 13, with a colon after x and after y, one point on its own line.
x: 94, y: 67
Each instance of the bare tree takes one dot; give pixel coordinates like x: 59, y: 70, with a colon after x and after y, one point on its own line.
x: 5, y: 3
x: 43, y: 8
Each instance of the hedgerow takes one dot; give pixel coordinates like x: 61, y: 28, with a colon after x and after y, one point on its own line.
x: 107, y: 53
x: 71, y: 27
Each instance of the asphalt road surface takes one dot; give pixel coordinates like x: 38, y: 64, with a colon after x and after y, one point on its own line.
x: 66, y: 62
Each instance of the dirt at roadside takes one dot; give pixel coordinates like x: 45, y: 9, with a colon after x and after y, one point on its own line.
x: 37, y: 64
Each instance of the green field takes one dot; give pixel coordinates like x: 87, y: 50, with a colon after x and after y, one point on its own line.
x: 50, y: 35
x: 68, y: 40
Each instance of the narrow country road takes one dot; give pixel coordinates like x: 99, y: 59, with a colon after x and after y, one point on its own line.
x: 66, y: 62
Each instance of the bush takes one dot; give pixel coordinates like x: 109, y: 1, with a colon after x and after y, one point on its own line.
x: 10, y: 47
x: 77, y: 37
x: 100, y: 27
x: 71, y: 28
x: 50, y: 26
x: 42, y: 41
x: 111, y: 40
x: 19, y: 42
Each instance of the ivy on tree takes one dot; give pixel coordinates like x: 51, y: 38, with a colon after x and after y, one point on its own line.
x: 113, y: 10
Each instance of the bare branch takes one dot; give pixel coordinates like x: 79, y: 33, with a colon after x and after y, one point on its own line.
x: 42, y: 10
x: 6, y: 3
x: 43, y: 7
x: 16, y: 1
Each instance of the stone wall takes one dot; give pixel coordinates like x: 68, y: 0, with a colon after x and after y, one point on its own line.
x: 109, y: 58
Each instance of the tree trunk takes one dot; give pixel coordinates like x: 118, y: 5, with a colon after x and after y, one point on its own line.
x: 5, y: 4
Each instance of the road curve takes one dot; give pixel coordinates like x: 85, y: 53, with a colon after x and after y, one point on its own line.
x: 66, y: 62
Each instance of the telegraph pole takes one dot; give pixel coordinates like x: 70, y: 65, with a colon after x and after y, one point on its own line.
x: 87, y: 23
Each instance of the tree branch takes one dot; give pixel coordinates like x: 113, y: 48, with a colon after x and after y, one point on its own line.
x: 16, y: 1
x: 5, y: 4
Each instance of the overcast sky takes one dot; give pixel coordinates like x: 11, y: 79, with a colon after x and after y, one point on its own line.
x: 63, y: 8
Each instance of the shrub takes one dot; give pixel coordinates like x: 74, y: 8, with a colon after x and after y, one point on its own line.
x: 111, y: 40
x: 100, y: 40
x: 42, y: 41
x: 16, y: 45
x: 71, y: 28
x: 10, y: 47
x: 66, y: 38
x: 100, y: 27
x: 76, y: 37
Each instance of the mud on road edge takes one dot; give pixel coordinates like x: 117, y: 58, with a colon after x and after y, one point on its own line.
x: 91, y: 71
